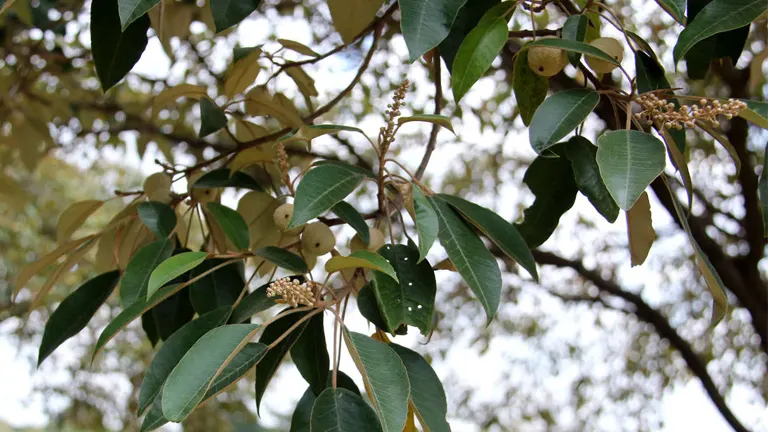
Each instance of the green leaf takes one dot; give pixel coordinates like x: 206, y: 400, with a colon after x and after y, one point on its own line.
x: 174, y: 312
x: 643, y: 44
x: 158, y: 217
x: 310, y: 354
x: 217, y: 289
x: 136, y: 277
x: 530, y: 89
x: 425, y: 218
x: 675, y: 9
x: 322, y: 188
x: 256, y: 302
x: 629, y: 161
x: 173, y: 350
x: 575, y: 28
x: 300, y: 420
x: 130, y: 313
x: 385, y: 377
x: 353, y: 218
x: 479, y: 49
x: 227, y: 13
x: 427, y: 393
x: 115, y: 51
x: 340, y: 410
x: 501, y: 232
x: 232, y: 223
x: 74, y: 312
x: 473, y: 261
x: 282, y: 258
x: 541, y: 218
x: 233, y: 372
x: 574, y: 47
x: 466, y: 20
x: 221, y: 178
x: 425, y: 24
x: 762, y: 191
x: 756, y: 112
x: 559, y: 115
x: 717, y: 17
x: 583, y: 157
x: 361, y: 259
x: 368, y: 306
x: 173, y: 267
x: 640, y: 230
x: 190, y: 380
x: 212, y: 118
x: 343, y: 165
x: 411, y: 301
x: 439, y: 120
x: 271, y: 361
x: 131, y: 10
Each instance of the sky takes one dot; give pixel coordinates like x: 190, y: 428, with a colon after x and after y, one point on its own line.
x: 683, y: 407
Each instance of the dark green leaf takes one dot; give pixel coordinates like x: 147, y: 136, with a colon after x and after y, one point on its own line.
x: 173, y: 350
x: 74, y: 312
x: 343, y: 165
x: 583, y: 157
x: 479, y: 49
x: 227, y: 13
x: 425, y: 24
x: 468, y: 17
x: 115, y: 51
x: 154, y: 418
x: 322, y: 188
x: 530, y: 88
x: 348, y: 214
x: 643, y: 44
x: 427, y: 393
x: 173, y: 267
x: 150, y: 328
x: 131, y: 10
x: 385, y: 377
x: 256, y: 302
x: 221, y: 178
x: 282, y: 258
x: 173, y: 313
x: 190, y: 380
x: 130, y: 313
x: 232, y: 223
x: 675, y: 8
x: 310, y: 354
x: 717, y: 17
x: 135, y: 280
x: 425, y: 217
x: 368, y: 306
x: 501, y: 232
x: 651, y: 76
x: 158, y: 217
x: 217, y: 289
x: 629, y: 161
x: 559, y: 115
x: 410, y: 301
x: 575, y: 28
x: 473, y: 261
x: 542, y: 217
x: 271, y: 361
x: 212, y: 118
x: 302, y: 414
x: 340, y: 410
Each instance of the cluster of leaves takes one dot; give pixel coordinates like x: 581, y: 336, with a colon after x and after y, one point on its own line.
x: 194, y: 295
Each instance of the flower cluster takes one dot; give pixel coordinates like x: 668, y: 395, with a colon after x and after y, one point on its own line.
x: 663, y: 112
x: 292, y: 292
x: 387, y: 134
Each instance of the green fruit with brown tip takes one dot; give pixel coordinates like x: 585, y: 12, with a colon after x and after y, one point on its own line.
x: 317, y: 239
x: 610, y: 46
x: 546, y: 61
x: 377, y: 240
x: 282, y: 216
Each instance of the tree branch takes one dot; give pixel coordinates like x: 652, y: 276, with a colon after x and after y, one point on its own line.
x: 438, y: 79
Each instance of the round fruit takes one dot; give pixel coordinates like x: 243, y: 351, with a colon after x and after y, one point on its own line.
x: 282, y: 216
x: 160, y: 195
x: 610, y: 46
x: 317, y: 239
x: 547, y: 61
x: 157, y: 182
x: 377, y: 241
x: 201, y: 195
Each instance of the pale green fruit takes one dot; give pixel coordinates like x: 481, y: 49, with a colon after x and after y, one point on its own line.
x: 311, y: 261
x: 359, y: 278
x: 317, y: 239
x: 377, y: 241
x: 160, y: 195
x: 610, y: 46
x: 547, y: 61
x: 282, y: 216
x: 157, y: 182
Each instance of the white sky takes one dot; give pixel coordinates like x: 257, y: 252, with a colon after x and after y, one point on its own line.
x: 684, y: 407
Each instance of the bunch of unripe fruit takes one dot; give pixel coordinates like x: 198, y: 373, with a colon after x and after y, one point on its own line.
x: 548, y: 61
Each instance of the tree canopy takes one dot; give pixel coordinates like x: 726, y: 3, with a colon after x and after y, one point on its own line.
x: 293, y: 189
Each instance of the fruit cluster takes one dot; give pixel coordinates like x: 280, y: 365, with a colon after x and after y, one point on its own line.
x: 549, y: 61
